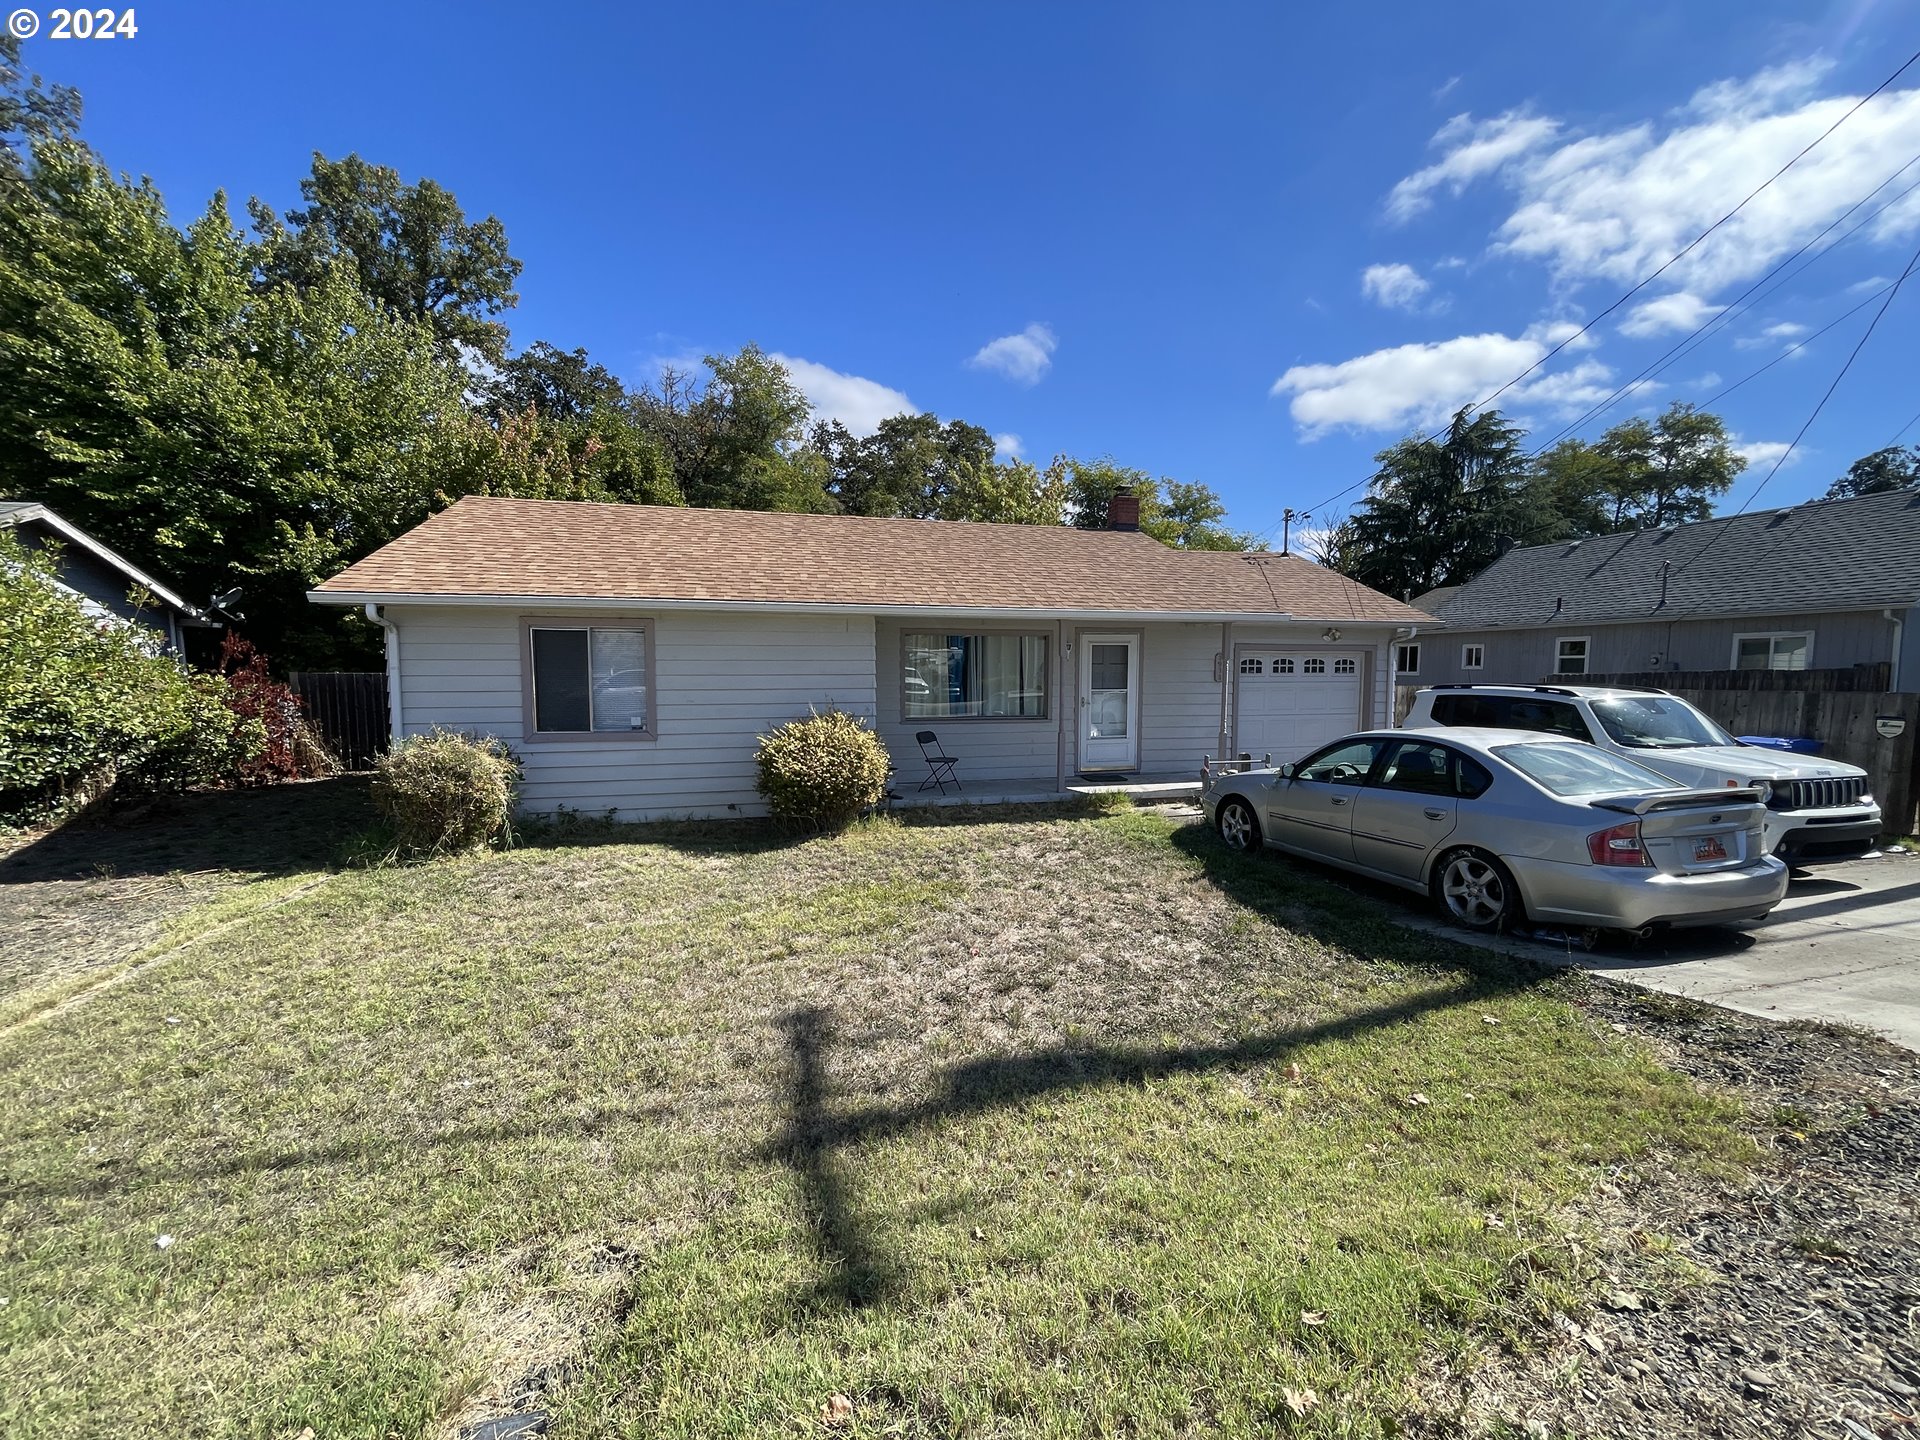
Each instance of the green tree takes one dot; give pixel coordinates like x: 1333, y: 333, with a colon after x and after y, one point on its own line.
x: 1013, y: 493
x: 554, y: 383
x: 30, y: 109
x: 413, y: 247
x: 1667, y: 471
x: 1437, y: 512
x: 1893, y: 468
x: 1181, y: 514
x: 738, y: 439
x: 907, y: 467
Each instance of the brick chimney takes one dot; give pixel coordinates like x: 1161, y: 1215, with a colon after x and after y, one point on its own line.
x: 1123, y: 512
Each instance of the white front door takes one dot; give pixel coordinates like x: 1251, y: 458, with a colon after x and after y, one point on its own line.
x: 1109, y: 702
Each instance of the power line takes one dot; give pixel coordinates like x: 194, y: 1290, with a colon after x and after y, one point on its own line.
x: 1670, y: 262
x: 1717, y: 323
x: 1852, y: 355
x: 1903, y: 430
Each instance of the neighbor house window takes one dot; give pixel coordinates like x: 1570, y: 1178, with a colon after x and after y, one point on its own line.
x: 1570, y: 655
x: 1778, y: 650
x: 1473, y: 657
x: 590, y: 679
x: 951, y: 677
x: 1406, y: 659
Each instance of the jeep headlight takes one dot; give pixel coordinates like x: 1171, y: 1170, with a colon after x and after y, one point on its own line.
x: 1765, y: 787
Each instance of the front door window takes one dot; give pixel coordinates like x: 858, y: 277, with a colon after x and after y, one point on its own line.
x: 1109, y: 690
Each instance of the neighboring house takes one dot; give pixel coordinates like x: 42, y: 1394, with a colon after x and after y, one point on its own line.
x: 100, y: 579
x: 1826, y: 585
x: 631, y: 654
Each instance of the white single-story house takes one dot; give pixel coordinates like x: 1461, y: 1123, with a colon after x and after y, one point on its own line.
x: 631, y: 654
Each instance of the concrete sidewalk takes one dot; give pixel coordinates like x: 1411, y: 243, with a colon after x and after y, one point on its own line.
x: 1844, y: 945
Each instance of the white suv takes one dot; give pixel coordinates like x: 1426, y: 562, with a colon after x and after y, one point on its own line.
x: 1816, y: 809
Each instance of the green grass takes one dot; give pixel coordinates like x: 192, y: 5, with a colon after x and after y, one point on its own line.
x: 988, y: 1124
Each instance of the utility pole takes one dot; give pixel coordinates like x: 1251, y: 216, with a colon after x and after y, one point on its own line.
x: 1287, y: 517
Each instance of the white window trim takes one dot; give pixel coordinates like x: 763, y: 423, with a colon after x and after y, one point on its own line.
x: 1399, y: 648
x: 1586, y: 655
x: 1480, y: 664
x: 1733, y: 658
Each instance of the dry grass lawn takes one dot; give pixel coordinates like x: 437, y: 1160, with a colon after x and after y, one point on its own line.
x: 1040, y: 1123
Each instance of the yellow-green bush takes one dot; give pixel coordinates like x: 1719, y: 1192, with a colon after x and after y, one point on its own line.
x: 822, y: 771
x: 446, y: 792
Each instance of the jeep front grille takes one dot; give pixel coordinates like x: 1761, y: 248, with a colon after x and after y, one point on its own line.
x: 1819, y: 794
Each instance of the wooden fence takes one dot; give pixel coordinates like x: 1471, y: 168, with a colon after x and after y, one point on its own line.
x: 349, y: 709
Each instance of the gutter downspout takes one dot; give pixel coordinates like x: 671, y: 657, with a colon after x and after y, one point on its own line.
x: 395, y: 717
x: 1899, y: 641
x: 1061, y: 708
x: 1226, y: 683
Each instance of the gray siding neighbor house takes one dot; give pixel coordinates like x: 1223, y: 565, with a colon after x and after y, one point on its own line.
x: 1821, y: 586
x: 100, y: 579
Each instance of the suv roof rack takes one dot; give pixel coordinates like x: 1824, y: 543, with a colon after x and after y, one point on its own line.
x: 1550, y: 689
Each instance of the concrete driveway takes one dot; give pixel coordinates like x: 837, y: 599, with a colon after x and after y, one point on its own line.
x: 1844, y: 945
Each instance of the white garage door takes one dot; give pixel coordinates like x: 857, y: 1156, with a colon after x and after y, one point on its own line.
x: 1289, y: 701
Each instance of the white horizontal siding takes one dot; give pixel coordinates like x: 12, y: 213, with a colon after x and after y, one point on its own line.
x: 721, y: 681
x: 1179, y: 698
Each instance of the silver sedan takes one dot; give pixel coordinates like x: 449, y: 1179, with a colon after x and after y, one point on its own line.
x: 1504, y: 826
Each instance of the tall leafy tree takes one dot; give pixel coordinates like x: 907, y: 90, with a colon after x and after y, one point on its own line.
x: 737, y: 440
x: 1015, y: 492
x: 413, y: 247
x: 1895, y: 467
x: 909, y: 466
x: 1437, y: 512
x: 1184, y: 515
x: 1667, y: 471
x: 553, y: 383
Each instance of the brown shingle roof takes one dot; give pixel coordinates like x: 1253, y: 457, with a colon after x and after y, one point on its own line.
x: 485, y: 547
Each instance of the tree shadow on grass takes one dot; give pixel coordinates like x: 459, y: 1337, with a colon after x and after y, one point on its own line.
x: 271, y: 830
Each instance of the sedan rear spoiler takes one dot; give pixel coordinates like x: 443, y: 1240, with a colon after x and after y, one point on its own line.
x: 1676, y: 800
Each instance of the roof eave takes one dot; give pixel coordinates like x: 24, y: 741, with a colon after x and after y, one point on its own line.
x: 74, y: 534
x: 802, y: 607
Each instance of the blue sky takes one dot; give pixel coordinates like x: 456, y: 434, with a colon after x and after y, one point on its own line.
x: 1244, y: 245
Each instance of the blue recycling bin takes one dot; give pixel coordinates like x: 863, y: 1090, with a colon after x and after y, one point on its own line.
x: 1776, y: 742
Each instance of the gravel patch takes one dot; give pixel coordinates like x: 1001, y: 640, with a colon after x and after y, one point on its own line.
x: 1785, y: 1303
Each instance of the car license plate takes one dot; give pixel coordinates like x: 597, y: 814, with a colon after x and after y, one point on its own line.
x: 1709, y: 849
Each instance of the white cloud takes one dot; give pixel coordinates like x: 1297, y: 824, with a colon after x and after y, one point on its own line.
x: 1614, y: 205
x: 1570, y: 333
x: 1786, y: 331
x: 1708, y: 381
x: 1442, y: 91
x: 1007, y: 447
x: 1473, y: 148
x: 1024, y: 357
x: 1872, y: 282
x: 1396, y: 286
x: 1668, y: 315
x: 856, y: 402
x: 1422, y: 384
x: 1761, y: 454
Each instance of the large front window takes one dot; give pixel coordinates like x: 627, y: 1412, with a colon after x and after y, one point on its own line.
x: 975, y: 677
x: 588, y: 679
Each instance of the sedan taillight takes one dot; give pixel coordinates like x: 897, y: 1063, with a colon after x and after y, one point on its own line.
x: 1618, y: 846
